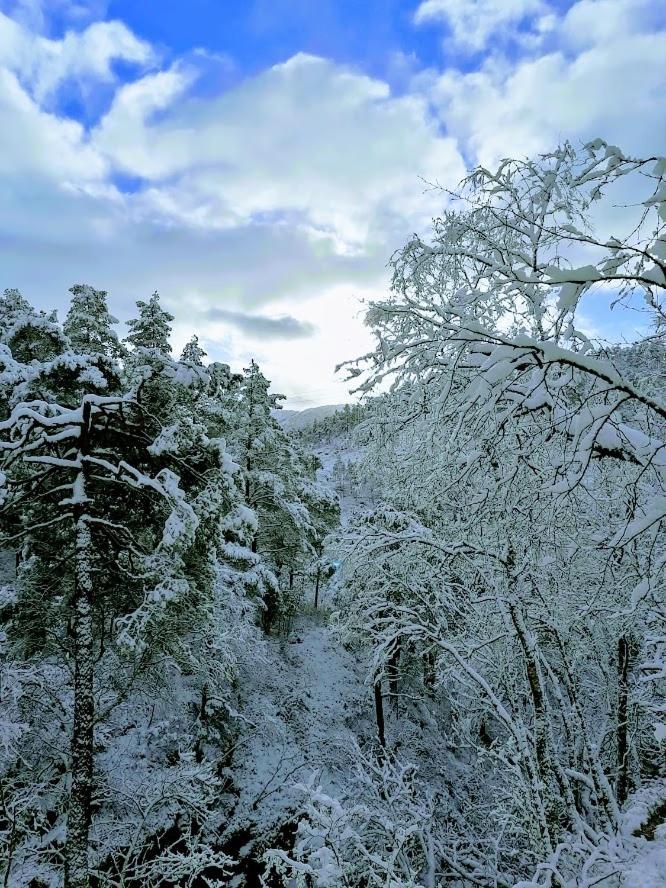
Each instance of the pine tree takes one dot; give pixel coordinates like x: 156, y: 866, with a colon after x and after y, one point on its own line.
x: 152, y: 329
x: 30, y: 335
x: 145, y: 540
x: 91, y: 496
x: 69, y: 478
x: 193, y: 353
x: 279, y: 488
x: 149, y: 365
x: 88, y: 324
x: 12, y: 306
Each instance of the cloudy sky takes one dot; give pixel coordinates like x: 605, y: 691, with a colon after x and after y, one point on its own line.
x: 257, y: 162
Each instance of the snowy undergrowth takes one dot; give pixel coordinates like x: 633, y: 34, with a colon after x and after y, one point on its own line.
x: 303, y: 706
x: 634, y: 857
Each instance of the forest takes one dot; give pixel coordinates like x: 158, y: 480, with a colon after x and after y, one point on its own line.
x: 418, y: 643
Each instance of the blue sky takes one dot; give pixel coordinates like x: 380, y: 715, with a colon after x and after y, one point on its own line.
x: 258, y: 34
x: 258, y: 162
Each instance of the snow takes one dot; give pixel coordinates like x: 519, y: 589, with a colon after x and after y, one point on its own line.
x: 304, y: 700
x: 338, y: 457
x: 648, y: 870
x: 295, y: 420
x: 641, y: 805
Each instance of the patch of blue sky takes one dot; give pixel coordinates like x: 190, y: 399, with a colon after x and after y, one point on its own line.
x: 608, y: 318
x: 370, y: 36
x: 127, y: 183
x: 85, y: 102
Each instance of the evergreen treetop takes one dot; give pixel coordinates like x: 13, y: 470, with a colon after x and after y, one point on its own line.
x: 152, y: 329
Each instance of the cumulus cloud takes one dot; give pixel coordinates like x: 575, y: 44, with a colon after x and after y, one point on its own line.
x: 306, y: 143
x: 472, y: 23
x: 38, y: 15
x: 66, y: 215
x: 263, y: 326
x: 43, y: 65
x: 603, y: 74
x: 37, y: 143
x: 592, y: 22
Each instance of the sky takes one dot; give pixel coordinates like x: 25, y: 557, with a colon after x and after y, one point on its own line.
x: 258, y: 162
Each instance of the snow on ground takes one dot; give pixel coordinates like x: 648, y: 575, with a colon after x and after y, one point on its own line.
x: 644, y: 831
x: 304, y: 704
x: 648, y: 870
x: 339, y: 457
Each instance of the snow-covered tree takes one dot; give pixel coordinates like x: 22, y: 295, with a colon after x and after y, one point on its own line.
x: 280, y: 487
x: 89, y: 324
x: 193, y: 353
x: 523, y: 464
x: 123, y: 520
x: 152, y: 329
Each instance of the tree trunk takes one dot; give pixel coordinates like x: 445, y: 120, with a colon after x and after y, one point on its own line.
x: 546, y: 757
x: 379, y: 714
x: 79, y: 810
x: 317, y: 581
x: 622, y: 788
x: 429, y: 676
x: 393, y: 665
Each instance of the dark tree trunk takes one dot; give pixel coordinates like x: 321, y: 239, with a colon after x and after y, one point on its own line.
x: 317, y: 581
x: 393, y: 668
x: 623, y: 656
x: 379, y: 714
x: 429, y: 676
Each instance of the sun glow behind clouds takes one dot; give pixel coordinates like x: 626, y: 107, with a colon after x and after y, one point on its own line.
x: 279, y: 194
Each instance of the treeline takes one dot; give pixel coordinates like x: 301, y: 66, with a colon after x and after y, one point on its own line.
x: 337, y: 424
x: 156, y: 513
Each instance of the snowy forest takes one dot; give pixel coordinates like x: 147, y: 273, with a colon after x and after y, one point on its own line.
x: 419, y: 643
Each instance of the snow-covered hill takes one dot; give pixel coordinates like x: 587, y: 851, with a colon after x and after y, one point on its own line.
x: 294, y: 420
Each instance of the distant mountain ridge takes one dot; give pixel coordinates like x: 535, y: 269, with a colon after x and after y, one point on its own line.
x: 295, y: 420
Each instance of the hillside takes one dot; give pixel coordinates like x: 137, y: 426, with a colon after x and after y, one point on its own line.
x: 295, y: 420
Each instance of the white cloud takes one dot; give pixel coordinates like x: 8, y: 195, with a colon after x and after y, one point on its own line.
x: 612, y: 83
x: 86, y: 54
x: 595, y: 22
x: 37, y: 14
x: 305, y: 371
x: 289, y: 190
x: 36, y: 143
x: 307, y: 142
x: 43, y: 65
x: 473, y: 22
x: 125, y: 136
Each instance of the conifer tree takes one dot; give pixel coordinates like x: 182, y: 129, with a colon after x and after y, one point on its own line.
x: 91, y: 496
x: 280, y: 488
x: 193, y: 353
x: 151, y: 330
x: 149, y: 365
x: 28, y: 333
x: 153, y: 502
x: 89, y: 324
x: 12, y: 306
